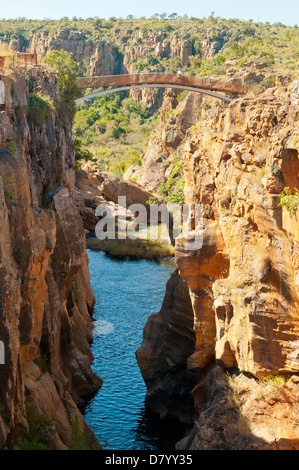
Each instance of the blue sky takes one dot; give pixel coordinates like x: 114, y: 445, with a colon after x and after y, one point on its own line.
x: 285, y: 11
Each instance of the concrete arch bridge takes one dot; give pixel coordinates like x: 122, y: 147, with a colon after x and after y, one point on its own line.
x: 205, y: 85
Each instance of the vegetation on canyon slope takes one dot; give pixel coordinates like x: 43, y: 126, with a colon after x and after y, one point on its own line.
x: 290, y: 200
x: 115, y: 130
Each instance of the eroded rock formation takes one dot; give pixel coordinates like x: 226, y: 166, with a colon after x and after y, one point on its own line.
x: 242, y: 281
x: 176, y: 118
x: 95, y: 188
x: 162, y: 357
x: 46, y: 300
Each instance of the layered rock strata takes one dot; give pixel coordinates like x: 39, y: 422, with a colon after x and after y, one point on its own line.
x: 242, y: 281
x: 176, y: 119
x: 46, y: 300
x: 162, y: 357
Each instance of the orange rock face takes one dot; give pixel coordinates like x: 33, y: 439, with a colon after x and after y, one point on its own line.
x: 46, y: 299
x: 243, y: 281
x: 256, y: 304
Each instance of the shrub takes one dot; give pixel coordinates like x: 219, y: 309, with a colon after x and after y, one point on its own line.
x: 134, y: 159
x: 269, y: 82
x: 41, y: 434
x: 117, y: 131
x: 275, y: 170
x: 219, y: 59
x: 11, y: 147
x: 42, y: 362
x: 289, y: 201
x: 39, y: 108
x: 119, y: 168
x: 277, y: 381
x: 82, y: 154
x: 173, y: 189
x: 68, y: 72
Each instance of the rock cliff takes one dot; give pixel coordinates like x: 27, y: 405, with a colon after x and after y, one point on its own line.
x: 46, y: 300
x: 101, y: 56
x: 165, y: 141
x: 110, y: 50
x: 241, y: 283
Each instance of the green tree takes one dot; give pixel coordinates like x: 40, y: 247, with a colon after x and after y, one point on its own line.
x: 68, y: 71
x: 219, y: 59
x: 82, y: 154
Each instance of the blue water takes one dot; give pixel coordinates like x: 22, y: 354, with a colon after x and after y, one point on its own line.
x: 127, y: 292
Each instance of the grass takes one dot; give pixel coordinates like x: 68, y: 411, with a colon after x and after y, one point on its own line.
x: 277, y: 381
x: 173, y: 188
x: 136, y: 249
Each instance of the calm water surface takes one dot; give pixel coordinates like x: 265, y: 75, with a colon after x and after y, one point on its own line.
x: 127, y: 292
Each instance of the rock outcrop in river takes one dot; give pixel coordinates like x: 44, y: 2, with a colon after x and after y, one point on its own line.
x: 46, y: 300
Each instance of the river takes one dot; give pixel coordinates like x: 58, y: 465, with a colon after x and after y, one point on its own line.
x: 127, y: 292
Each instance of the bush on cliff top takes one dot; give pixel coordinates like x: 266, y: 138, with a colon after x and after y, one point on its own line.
x: 68, y: 71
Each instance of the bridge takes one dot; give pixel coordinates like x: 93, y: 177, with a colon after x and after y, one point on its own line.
x: 205, y: 85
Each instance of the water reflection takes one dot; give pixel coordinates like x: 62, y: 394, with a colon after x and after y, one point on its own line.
x: 153, y: 433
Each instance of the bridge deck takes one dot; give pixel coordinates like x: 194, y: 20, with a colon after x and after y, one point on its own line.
x: 204, y: 83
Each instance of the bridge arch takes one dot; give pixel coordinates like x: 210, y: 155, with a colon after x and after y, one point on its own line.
x: 181, y: 87
x: 204, y: 85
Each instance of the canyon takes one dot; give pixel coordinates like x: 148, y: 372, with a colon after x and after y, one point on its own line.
x: 221, y: 356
